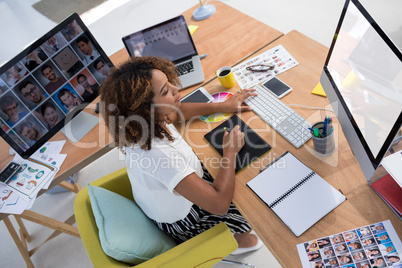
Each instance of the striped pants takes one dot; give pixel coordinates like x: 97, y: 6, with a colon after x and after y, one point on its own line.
x: 199, y: 220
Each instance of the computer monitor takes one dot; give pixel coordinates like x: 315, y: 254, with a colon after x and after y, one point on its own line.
x: 48, y: 83
x: 362, y: 78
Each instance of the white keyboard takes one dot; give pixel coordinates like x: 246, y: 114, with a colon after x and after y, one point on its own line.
x: 280, y: 117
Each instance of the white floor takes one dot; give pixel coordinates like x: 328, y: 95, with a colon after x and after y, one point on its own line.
x: 20, y: 24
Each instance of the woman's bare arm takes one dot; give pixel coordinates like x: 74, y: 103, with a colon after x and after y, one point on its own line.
x: 216, y: 198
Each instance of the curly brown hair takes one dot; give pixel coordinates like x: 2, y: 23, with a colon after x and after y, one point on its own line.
x: 127, y: 98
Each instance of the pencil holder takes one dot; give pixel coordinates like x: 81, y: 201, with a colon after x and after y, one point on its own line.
x: 323, y: 144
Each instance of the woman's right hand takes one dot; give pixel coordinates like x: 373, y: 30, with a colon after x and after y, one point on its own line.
x: 233, y: 141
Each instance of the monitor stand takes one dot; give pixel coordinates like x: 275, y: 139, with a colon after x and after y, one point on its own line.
x: 79, y: 126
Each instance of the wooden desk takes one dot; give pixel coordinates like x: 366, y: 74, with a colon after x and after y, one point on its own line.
x: 227, y: 37
x: 362, y: 207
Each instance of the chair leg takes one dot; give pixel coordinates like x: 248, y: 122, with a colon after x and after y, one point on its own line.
x: 237, y: 263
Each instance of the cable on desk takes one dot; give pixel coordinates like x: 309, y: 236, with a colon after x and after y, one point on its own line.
x: 306, y: 106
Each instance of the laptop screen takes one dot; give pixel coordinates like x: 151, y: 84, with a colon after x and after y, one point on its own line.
x: 170, y: 39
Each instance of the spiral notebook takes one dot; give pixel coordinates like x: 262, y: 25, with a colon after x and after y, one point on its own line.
x: 297, y: 195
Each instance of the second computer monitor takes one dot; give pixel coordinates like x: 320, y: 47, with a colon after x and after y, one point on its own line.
x: 56, y: 76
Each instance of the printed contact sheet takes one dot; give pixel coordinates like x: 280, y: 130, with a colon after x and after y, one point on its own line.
x: 278, y: 56
x: 374, y: 245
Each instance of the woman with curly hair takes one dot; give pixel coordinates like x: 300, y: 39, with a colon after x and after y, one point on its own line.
x: 168, y: 181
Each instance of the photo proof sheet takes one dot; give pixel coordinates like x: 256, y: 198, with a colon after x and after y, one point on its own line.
x: 278, y: 57
x: 375, y: 245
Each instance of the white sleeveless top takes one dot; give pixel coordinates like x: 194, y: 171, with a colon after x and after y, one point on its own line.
x: 155, y: 173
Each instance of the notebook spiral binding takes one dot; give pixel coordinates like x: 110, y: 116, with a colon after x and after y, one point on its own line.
x: 291, y: 190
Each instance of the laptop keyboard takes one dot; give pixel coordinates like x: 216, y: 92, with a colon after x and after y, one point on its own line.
x: 185, y: 68
x: 280, y: 116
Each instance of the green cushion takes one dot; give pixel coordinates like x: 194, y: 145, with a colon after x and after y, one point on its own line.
x: 125, y: 232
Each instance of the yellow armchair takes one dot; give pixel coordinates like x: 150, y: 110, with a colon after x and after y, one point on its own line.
x: 204, y: 250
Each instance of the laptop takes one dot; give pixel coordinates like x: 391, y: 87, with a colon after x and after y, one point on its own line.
x: 170, y: 39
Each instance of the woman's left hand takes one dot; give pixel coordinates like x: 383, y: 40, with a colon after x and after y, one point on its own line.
x: 236, y: 102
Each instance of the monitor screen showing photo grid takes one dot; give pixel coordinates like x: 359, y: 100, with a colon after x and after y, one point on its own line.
x: 55, y: 77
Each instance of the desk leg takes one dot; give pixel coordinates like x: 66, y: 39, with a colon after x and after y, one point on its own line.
x: 23, y: 250
x: 69, y: 221
x: 49, y: 222
x: 23, y: 229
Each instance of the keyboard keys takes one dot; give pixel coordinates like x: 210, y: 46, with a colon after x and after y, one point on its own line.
x: 281, y: 117
x: 185, y: 68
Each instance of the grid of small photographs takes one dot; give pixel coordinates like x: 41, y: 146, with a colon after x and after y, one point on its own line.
x: 365, y: 247
x: 43, y: 87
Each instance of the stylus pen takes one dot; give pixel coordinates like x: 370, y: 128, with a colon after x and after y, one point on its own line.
x: 203, y: 56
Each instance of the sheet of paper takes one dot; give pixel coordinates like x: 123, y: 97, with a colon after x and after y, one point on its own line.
x: 277, y: 56
x: 374, y: 245
x: 48, y: 153
x: 21, y: 193
x: 192, y: 28
x: 51, y: 147
x: 392, y: 164
x: 11, y: 202
x: 318, y: 90
x: 52, y: 159
x: 32, y: 178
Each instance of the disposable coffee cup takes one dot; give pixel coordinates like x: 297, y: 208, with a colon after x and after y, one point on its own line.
x: 226, y: 77
x: 325, y: 144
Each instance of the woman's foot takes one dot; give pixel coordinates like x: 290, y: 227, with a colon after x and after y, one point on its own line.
x: 247, y: 242
x: 244, y: 249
